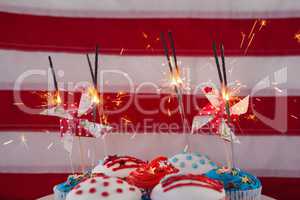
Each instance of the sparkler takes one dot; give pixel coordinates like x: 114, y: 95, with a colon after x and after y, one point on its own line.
x: 56, y: 99
x: 176, y: 80
x: 225, y: 93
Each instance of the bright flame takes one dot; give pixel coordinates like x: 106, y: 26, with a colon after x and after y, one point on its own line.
x: 226, y: 95
x: 176, y: 80
x: 93, y: 93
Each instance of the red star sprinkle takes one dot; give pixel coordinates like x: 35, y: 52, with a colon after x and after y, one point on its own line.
x: 119, y: 190
x: 93, y: 181
x: 105, y: 184
x: 119, y: 181
x: 79, y: 192
x: 132, y: 189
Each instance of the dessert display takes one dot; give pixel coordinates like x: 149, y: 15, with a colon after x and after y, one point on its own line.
x: 190, y: 186
x: 118, y: 166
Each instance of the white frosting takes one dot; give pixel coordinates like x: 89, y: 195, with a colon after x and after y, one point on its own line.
x: 187, y: 192
x: 192, y: 163
x: 122, y: 173
x: 108, y: 188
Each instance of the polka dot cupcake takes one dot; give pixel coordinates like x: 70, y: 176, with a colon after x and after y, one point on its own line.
x: 104, y: 187
x: 192, y: 163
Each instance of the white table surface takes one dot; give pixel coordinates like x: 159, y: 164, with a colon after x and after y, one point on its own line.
x: 51, y: 197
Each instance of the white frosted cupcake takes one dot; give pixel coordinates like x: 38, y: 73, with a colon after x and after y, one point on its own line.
x: 118, y: 166
x: 189, y: 187
x: 192, y: 163
x: 104, y: 187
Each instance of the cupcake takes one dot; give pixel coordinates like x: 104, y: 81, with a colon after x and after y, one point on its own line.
x: 239, y: 185
x: 61, y: 190
x: 149, y: 175
x: 104, y: 187
x: 190, y: 187
x: 192, y: 163
x: 118, y: 166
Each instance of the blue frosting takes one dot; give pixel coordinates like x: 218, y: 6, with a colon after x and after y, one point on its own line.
x: 235, y: 180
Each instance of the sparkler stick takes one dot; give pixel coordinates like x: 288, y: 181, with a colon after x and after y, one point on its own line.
x: 91, y: 68
x: 53, y: 73
x: 223, y: 81
x: 178, y: 90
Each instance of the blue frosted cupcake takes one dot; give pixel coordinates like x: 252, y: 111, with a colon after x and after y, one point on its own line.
x: 239, y: 185
x: 61, y: 190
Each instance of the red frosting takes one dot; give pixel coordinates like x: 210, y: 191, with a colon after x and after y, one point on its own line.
x: 122, y: 161
x: 149, y: 175
x: 198, y: 181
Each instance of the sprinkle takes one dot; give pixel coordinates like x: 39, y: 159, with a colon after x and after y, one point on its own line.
x: 50, y: 145
x: 105, y: 194
x: 7, y: 142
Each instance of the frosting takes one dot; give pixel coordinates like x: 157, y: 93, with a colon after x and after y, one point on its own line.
x: 192, y: 163
x: 104, y: 187
x: 149, y: 175
x: 235, y: 180
x: 118, y: 166
x: 189, y: 186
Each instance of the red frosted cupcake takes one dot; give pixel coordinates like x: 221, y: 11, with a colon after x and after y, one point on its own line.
x: 149, y: 175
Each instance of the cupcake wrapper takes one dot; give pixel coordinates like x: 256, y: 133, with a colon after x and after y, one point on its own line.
x: 244, y: 195
x: 59, y: 195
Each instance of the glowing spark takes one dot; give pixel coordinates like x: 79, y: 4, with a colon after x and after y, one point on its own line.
x: 50, y: 145
x: 297, y: 37
x: 252, y: 29
x: 23, y: 139
x: 126, y: 120
x: 169, y: 113
x: 249, y: 43
x: 243, y: 39
x: 169, y: 99
x: 117, y: 102
x: 133, y: 136
x: 18, y: 103
x: 145, y: 35
x: 94, y: 95
x: 8, y: 142
x: 121, y: 52
x: 263, y: 23
x: 148, y: 46
x: 294, y: 116
x: 257, y: 99
x: 277, y: 89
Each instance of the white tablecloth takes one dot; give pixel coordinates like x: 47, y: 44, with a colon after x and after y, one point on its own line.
x: 50, y: 197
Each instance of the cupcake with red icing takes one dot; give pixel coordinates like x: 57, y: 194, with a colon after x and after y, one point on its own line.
x: 188, y: 186
x: 149, y: 175
x: 104, y: 187
x: 118, y: 166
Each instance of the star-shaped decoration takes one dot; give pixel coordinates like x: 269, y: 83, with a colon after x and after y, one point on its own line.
x: 245, y: 179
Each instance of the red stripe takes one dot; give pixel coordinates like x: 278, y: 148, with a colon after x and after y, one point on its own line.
x: 33, y: 186
x: 139, y: 36
x: 12, y: 118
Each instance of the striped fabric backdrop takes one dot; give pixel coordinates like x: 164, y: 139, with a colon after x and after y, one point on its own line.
x: 262, y: 47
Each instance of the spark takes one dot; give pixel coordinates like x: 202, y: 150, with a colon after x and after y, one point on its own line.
x: 263, y: 23
x: 8, y: 142
x: 169, y: 99
x: 93, y: 93
x: 23, y: 139
x: 121, y: 52
x: 243, y: 39
x: 18, y: 103
x: 257, y: 99
x: 297, y: 37
x: 294, y: 116
x: 145, y: 35
x: 126, y: 120
x: 252, y: 29
x: 277, y: 89
x: 169, y: 113
x: 249, y: 43
x: 148, y: 46
x: 50, y: 145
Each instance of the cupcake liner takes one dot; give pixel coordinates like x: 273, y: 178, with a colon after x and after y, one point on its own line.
x: 59, y: 195
x: 244, y: 195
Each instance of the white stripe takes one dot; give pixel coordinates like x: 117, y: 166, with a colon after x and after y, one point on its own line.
x: 263, y: 155
x: 145, y: 72
x: 156, y: 8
